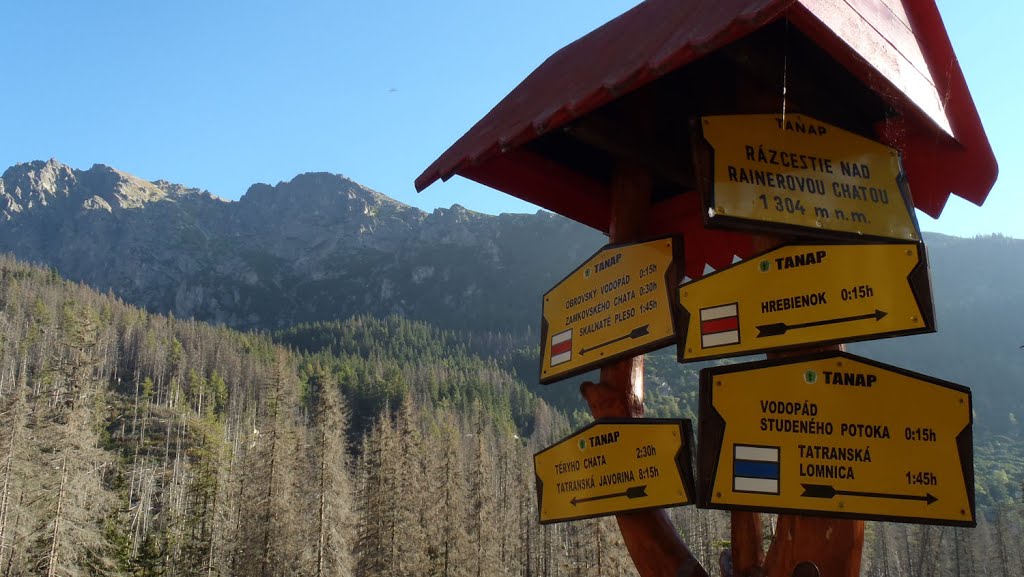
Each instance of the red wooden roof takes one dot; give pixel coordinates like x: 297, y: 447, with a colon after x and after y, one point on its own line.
x: 898, y: 48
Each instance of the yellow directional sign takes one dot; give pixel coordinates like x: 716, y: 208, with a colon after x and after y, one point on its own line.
x: 836, y: 435
x: 619, y: 303
x: 792, y: 172
x: 613, y: 466
x: 798, y: 295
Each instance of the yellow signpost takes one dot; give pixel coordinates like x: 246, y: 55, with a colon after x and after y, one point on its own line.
x: 793, y: 173
x: 618, y: 303
x: 799, y: 295
x: 614, y: 466
x: 836, y: 435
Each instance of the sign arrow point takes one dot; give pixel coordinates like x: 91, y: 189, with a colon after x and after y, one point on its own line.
x: 772, y: 330
x: 640, y: 331
x: 636, y: 492
x: 931, y: 498
x: 819, y: 491
x: 879, y: 315
x: 636, y: 333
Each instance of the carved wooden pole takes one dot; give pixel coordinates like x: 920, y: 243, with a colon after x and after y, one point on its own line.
x: 652, y: 540
x: 747, y: 554
x: 814, y: 546
x: 803, y: 546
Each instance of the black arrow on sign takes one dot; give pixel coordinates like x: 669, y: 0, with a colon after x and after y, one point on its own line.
x: 828, y: 491
x: 776, y: 329
x: 630, y: 493
x: 634, y: 334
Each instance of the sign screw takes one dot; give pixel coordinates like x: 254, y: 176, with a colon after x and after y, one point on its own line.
x: 913, y: 318
x: 806, y: 569
x: 720, y: 210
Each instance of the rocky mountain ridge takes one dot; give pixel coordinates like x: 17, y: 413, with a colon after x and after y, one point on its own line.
x: 35, y: 186
x: 317, y: 247
x: 321, y: 247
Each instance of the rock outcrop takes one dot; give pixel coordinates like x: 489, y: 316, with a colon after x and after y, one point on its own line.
x: 315, y: 248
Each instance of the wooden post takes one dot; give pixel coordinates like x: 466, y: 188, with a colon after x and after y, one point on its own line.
x: 652, y: 540
x: 832, y: 545
x: 802, y: 545
x: 747, y: 554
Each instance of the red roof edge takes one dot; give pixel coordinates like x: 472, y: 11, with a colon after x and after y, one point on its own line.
x: 547, y: 183
x: 466, y: 152
x: 970, y: 169
x: 936, y: 164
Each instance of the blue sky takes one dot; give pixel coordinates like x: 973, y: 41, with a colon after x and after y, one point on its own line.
x: 219, y: 95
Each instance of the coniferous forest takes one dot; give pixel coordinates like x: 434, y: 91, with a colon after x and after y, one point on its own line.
x: 138, y: 444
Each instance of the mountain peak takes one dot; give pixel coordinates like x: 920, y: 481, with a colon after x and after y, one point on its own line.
x: 456, y: 214
x: 27, y: 185
x: 321, y: 191
x: 30, y: 186
x: 119, y: 188
x: 49, y: 176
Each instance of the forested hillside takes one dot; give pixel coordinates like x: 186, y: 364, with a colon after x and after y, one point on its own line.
x: 322, y: 248
x: 137, y: 444
x: 132, y: 443
x: 140, y: 444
